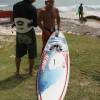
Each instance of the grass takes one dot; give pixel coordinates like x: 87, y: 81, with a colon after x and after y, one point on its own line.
x: 84, y: 83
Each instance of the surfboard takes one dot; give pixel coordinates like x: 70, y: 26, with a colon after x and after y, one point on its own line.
x: 53, y: 74
x: 22, y: 25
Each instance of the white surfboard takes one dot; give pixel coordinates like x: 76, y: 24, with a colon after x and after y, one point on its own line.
x: 53, y: 75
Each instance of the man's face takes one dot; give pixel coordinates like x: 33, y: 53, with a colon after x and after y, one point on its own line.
x: 49, y: 3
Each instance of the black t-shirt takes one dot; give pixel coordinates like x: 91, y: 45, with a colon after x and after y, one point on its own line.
x: 26, y: 10
x: 25, y: 17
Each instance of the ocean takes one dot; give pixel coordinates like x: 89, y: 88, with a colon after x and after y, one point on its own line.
x: 67, y: 8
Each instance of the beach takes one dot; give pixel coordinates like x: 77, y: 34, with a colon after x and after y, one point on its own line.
x: 68, y: 26
x: 74, y: 26
x: 83, y: 40
x: 70, y: 23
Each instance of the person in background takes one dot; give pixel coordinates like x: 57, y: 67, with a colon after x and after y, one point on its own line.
x: 25, y: 18
x: 48, y: 17
x: 80, y: 10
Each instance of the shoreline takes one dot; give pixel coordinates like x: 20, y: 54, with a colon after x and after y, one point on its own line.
x: 73, y: 26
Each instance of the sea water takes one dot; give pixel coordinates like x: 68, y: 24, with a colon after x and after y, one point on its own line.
x: 67, y: 8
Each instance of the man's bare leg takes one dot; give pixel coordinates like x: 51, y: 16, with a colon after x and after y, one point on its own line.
x: 17, y: 61
x: 31, y: 63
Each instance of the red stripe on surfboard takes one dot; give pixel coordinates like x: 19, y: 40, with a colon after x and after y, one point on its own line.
x: 40, y: 97
x: 66, y: 58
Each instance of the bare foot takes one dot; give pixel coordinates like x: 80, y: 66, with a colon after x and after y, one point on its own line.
x: 17, y: 75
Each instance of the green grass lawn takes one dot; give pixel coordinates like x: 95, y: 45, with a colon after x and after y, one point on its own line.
x: 84, y: 83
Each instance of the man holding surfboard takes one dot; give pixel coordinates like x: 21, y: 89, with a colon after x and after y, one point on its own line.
x: 25, y: 18
x: 48, y: 17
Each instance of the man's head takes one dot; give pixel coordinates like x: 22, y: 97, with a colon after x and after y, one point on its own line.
x: 31, y: 1
x: 49, y: 3
x: 81, y: 4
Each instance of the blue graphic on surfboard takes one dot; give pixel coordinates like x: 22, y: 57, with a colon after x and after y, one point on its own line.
x: 53, y: 75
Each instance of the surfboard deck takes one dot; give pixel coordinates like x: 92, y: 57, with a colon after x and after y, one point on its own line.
x: 53, y: 75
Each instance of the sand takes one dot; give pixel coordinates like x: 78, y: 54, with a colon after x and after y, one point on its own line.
x: 71, y: 26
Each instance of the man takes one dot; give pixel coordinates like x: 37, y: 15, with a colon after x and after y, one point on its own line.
x: 80, y: 10
x: 48, y: 17
x: 25, y: 17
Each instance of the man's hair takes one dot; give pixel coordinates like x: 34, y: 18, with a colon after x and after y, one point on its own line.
x: 28, y: 0
x: 81, y: 4
x: 49, y: 0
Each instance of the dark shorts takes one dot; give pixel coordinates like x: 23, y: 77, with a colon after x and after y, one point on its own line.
x: 23, y: 49
x: 25, y: 45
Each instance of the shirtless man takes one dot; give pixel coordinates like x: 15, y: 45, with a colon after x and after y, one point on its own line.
x: 48, y: 18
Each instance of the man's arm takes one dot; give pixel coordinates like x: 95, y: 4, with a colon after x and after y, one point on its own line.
x: 34, y: 23
x: 58, y: 20
x: 40, y: 19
